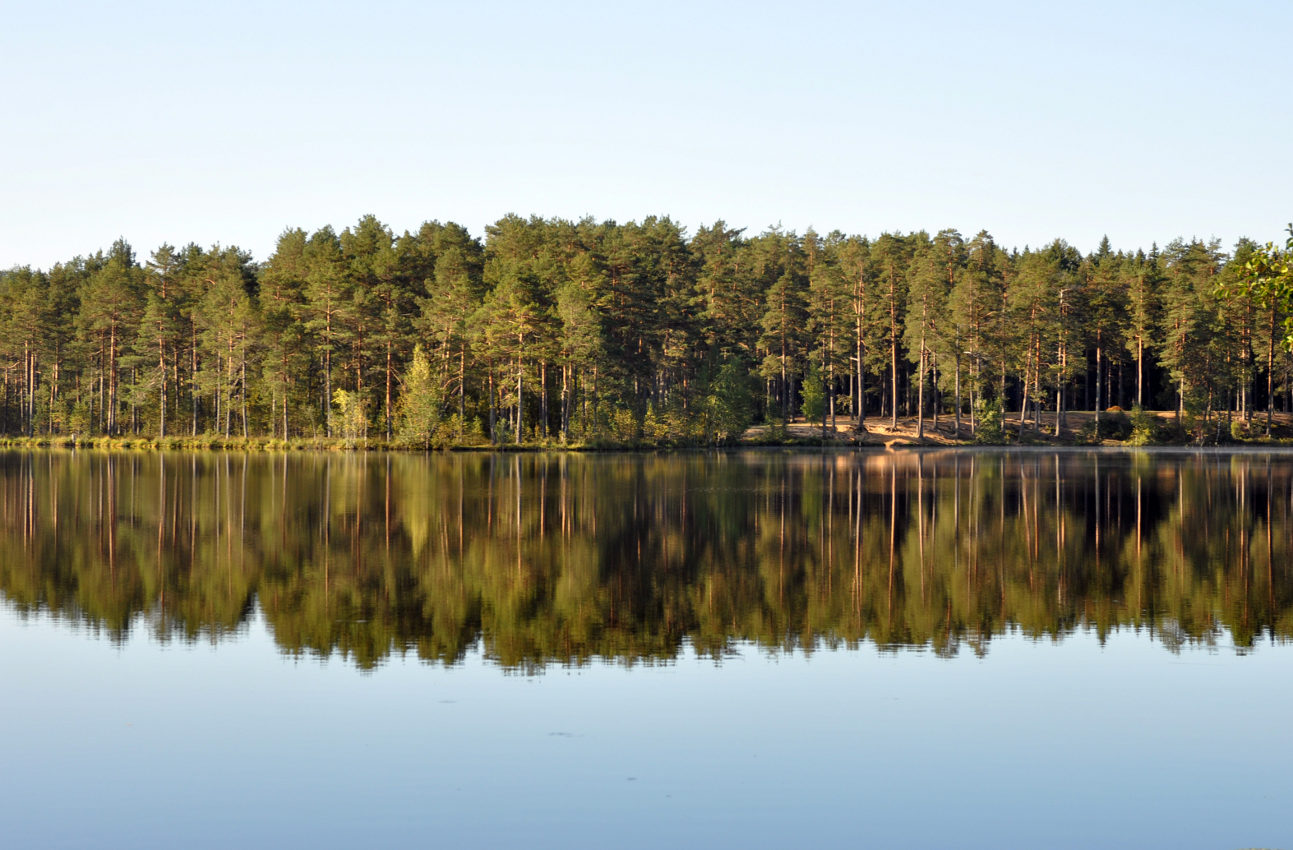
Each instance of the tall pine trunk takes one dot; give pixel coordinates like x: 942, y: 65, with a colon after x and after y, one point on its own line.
x: 389, y: 370
x: 1099, y: 384
x: 1270, y: 374
x: 161, y: 398
x: 112, y: 380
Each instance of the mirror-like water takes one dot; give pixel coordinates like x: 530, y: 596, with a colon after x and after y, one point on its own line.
x: 762, y: 648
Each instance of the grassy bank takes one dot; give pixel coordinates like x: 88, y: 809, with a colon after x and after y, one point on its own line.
x: 1117, y: 429
x: 310, y: 444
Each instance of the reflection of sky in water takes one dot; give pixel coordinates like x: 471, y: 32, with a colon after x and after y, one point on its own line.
x: 1038, y: 744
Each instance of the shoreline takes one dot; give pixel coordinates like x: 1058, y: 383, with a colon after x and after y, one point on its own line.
x: 797, y: 434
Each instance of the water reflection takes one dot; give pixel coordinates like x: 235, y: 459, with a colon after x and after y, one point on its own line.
x: 563, y: 558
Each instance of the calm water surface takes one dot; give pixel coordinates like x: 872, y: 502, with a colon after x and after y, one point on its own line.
x: 973, y: 649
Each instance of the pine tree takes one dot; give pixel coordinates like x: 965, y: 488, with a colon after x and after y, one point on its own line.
x: 381, y: 303
x: 582, y: 345
x: 1140, y: 278
x: 1035, y: 314
x: 948, y: 347
x: 454, y: 290
x: 726, y: 299
x: 855, y: 266
x: 1189, y: 321
x: 516, y: 311
x: 327, y: 292
x: 111, y: 304
x: 286, y: 361
x: 891, y: 256
x: 829, y: 317
x: 23, y: 321
x: 1106, y: 306
x: 926, y: 308
x: 228, y: 332
x: 161, y: 330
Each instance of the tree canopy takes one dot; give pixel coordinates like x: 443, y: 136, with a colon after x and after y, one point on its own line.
x: 604, y: 332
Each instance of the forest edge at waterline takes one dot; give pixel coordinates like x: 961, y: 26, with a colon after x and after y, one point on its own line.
x: 599, y: 334
x: 1118, y: 430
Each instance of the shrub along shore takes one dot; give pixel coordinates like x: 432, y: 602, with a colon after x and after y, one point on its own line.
x: 1118, y: 428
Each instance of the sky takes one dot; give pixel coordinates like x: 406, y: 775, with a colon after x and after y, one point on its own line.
x: 229, y: 123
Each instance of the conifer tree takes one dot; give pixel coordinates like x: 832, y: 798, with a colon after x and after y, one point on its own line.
x: 111, y: 304
x: 1034, y: 311
x: 1106, y: 305
x: 327, y: 292
x: 1140, y: 278
x: 778, y: 259
x: 286, y: 361
x: 1189, y: 322
x: 23, y: 322
x: 891, y: 256
x: 976, y: 311
x: 926, y: 311
x: 161, y: 330
x: 454, y: 289
x: 828, y: 317
x: 854, y: 255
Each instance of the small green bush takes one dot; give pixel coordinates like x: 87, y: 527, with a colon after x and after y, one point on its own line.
x: 776, y: 433
x: 1144, y: 428
x: 1031, y: 437
x: 814, y: 394
x: 988, y: 430
x: 1115, y: 425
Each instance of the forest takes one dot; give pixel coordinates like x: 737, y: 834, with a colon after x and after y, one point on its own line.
x: 599, y: 333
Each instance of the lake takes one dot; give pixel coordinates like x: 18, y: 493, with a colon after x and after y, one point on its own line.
x: 970, y: 648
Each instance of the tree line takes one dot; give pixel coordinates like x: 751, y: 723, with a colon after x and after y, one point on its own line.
x: 596, y: 331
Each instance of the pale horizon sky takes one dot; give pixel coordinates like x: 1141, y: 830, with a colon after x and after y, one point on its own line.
x: 181, y: 122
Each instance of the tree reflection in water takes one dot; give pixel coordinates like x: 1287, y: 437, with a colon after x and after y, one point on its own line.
x: 564, y: 558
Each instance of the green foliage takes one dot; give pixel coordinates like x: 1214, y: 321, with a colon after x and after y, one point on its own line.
x: 1145, y: 428
x: 814, y: 395
x: 625, y: 333
x: 350, y: 417
x: 621, y: 427
x: 420, y: 403
x: 1268, y: 276
x: 657, y: 427
x: 1191, y: 427
x: 729, y: 403
x: 1115, y: 425
x: 78, y: 418
x: 1032, y: 437
x: 989, y: 430
x: 776, y: 432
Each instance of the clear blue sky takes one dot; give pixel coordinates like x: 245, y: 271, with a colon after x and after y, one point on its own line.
x: 228, y: 123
